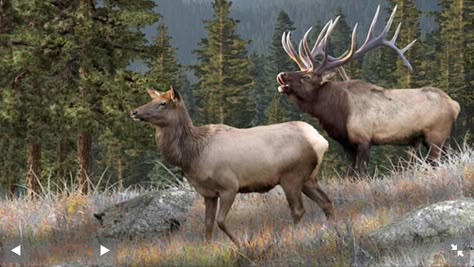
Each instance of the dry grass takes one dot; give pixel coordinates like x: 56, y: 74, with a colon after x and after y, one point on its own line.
x: 65, y: 222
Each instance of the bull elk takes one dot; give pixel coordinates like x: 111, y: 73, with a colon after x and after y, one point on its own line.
x: 359, y: 114
x: 220, y: 161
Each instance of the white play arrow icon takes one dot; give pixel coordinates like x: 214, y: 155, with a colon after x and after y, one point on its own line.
x: 17, y: 250
x: 103, y: 250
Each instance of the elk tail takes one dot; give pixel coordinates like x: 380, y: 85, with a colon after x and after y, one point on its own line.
x: 319, y: 154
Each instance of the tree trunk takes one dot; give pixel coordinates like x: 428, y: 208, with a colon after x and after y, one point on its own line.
x: 2, y: 16
x: 10, y: 172
x: 61, y: 154
x: 33, y: 175
x: 120, y: 174
x: 84, y: 144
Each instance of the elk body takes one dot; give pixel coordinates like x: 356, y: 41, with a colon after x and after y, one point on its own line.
x: 220, y: 161
x: 358, y: 114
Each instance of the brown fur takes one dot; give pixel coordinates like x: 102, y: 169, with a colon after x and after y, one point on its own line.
x: 358, y: 114
x: 220, y: 161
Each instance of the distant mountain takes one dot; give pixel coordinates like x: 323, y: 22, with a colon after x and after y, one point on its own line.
x: 184, y: 19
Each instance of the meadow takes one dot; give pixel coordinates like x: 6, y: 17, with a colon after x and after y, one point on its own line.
x: 62, y: 221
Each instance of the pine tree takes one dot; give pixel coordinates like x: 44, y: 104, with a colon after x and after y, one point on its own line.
x: 409, y: 16
x: 224, y: 79
x: 107, y: 43
x: 163, y: 68
x: 451, y: 46
x: 379, y: 65
x: 340, y: 38
x: 257, y: 70
x: 340, y: 41
x: 451, y: 43
x: 164, y: 71
x: 468, y: 93
x: 66, y: 58
x: 277, y: 107
x: 31, y: 82
x: 12, y: 133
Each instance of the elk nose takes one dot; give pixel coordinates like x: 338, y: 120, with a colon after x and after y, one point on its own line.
x: 133, y: 113
x: 280, y: 78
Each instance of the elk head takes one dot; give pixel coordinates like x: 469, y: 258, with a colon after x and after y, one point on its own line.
x: 162, y: 110
x: 317, y: 67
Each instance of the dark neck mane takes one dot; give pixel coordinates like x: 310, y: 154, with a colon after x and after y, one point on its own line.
x: 181, y: 142
x: 329, y: 104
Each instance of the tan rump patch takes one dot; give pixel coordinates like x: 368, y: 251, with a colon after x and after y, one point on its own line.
x: 317, y: 141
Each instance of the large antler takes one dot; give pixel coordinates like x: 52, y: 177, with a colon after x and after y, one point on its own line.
x: 306, y: 58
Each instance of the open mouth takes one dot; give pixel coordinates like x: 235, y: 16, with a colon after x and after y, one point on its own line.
x: 283, y: 85
x: 135, y: 118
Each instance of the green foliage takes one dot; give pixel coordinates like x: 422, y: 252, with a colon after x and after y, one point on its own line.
x: 163, y: 69
x: 410, y: 17
x: 454, y: 48
x: 223, y: 71
x: 277, y: 107
x: 257, y: 92
x: 66, y: 73
x: 65, y: 68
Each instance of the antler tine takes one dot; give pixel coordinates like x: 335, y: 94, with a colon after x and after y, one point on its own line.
x: 408, y: 46
x: 309, y: 56
x: 325, y: 60
x: 395, y: 35
x: 401, y: 52
x: 389, y: 22
x: 290, y: 50
x: 297, y: 59
x: 331, y: 28
x: 380, y: 40
x: 306, y: 61
x: 318, y: 45
x: 283, y: 43
x: 370, y: 33
x: 320, y: 37
x: 311, y: 60
x: 327, y: 63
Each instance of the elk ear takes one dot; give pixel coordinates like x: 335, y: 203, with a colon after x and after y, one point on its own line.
x: 327, y: 76
x: 153, y: 93
x: 175, y: 94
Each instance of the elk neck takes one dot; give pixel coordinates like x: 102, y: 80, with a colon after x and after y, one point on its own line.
x: 330, y: 105
x: 180, y: 142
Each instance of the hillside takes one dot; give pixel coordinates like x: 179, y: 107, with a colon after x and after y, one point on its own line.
x: 64, y: 222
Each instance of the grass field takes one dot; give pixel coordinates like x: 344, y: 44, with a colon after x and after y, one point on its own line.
x: 64, y: 221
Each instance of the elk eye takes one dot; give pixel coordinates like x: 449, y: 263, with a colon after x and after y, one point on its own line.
x: 306, y: 78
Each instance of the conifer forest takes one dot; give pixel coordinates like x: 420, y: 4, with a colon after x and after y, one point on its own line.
x: 71, y: 71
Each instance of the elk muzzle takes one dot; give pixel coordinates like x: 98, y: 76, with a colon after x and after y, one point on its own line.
x: 134, y: 115
x: 284, y: 87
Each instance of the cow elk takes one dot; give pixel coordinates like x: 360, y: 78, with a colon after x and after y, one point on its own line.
x: 358, y: 114
x: 220, y: 161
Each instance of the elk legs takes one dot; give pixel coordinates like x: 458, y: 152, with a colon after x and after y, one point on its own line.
x: 295, y: 201
x: 211, y: 207
x: 434, y: 142
x: 363, y: 151
x: 352, y: 155
x: 312, y: 190
x: 225, y: 202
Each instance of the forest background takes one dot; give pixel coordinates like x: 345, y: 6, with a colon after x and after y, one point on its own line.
x: 71, y: 71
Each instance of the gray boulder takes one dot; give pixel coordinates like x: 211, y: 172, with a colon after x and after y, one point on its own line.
x: 147, y: 215
x: 434, y: 223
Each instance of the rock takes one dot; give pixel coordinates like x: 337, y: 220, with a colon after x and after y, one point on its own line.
x: 153, y: 213
x: 434, y: 223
